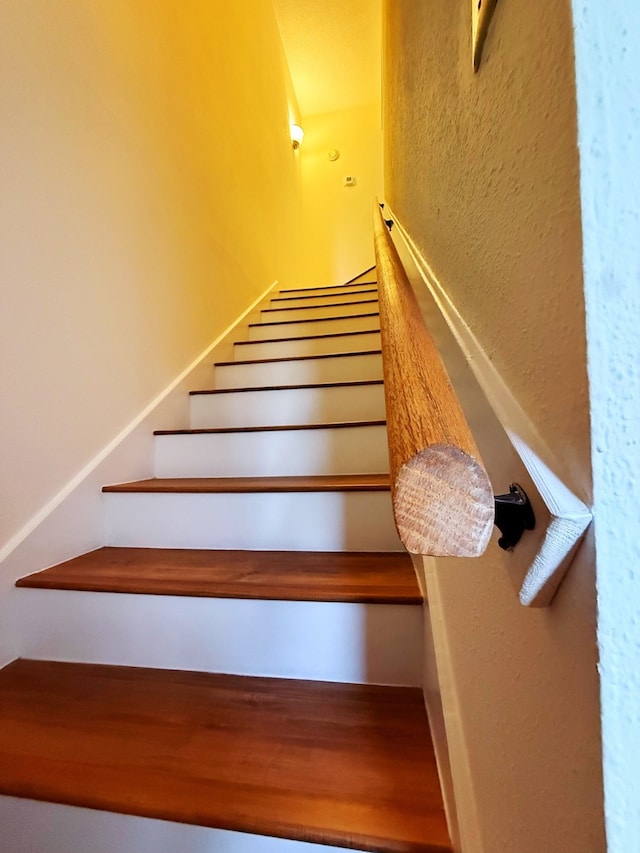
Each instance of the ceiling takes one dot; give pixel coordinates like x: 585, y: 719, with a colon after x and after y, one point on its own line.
x: 333, y: 48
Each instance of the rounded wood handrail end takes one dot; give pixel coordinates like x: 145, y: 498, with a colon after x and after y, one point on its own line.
x: 443, y: 503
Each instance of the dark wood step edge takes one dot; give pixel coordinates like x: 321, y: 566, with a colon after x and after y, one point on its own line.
x: 289, y: 387
x: 307, y: 338
x: 316, y: 320
x: 358, y: 577
x: 278, y: 428
x: 323, y: 295
x: 322, y: 307
x: 246, y: 485
x: 297, y: 358
x: 331, y: 287
x: 360, y: 274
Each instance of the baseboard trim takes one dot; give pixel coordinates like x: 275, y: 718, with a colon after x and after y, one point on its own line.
x: 36, y: 520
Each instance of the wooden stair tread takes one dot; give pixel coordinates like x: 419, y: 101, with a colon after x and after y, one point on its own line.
x: 328, y: 305
x: 274, y: 428
x: 360, y: 283
x: 364, y: 578
x: 373, y: 289
x: 349, y: 765
x: 297, y: 358
x: 290, y: 387
x: 316, y: 320
x: 307, y: 338
x: 212, y: 485
x: 332, y: 287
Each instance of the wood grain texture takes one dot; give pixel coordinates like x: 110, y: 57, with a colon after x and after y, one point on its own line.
x: 354, y: 577
x: 298, y: 358
x: 289, y: 387
x: 442, y: 498
x: 277, y: 428
x: 349, y: 765
x: 213, y: 485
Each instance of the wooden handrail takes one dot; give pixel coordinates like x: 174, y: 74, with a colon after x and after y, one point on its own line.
x: 442, y: 498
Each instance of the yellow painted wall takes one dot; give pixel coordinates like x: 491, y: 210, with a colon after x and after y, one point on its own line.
x: 482, y: 170
x: 337, y: 220
x: 149, y: 194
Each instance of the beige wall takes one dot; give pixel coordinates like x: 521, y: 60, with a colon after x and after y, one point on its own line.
x: 482, y: 171
x: 337, y: 243
x: 149, y: 194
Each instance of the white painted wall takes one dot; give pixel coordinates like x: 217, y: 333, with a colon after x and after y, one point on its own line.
x: 482, y: 171
x: 608, y: 71
x: 336, y: 240
x: 149, y: 194
x: 72, y: 522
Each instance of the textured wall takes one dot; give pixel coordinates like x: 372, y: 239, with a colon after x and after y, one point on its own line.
x: 149, y: 194
x: 482, y: 171
x: 608, y: 71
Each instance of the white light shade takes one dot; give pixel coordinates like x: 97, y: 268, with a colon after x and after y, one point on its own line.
x: 297, y: 135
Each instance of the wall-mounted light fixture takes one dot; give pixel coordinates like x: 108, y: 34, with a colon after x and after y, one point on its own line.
x: 297, y: 135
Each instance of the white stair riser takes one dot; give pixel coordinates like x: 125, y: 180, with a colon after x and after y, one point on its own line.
x: 324, y: 311
x: 309, y: 301
x: 324, y: 641
x: 288, y: 406
x: 316, y: 345
x: 305, y: 371
x: 37, y: 827
x: 351, y: 368
x: 350, y: 450
x: 289, y: 521
x: 277, y: 331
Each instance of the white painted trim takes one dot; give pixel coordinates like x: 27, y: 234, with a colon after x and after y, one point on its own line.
x: 569, y: 516
x: 36, y: 520
x: 460, y: 797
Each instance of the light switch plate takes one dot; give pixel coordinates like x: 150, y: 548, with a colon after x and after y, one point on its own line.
x: 481, y: 11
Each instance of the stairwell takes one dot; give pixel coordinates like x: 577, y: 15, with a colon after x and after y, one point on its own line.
x: 239, y: 669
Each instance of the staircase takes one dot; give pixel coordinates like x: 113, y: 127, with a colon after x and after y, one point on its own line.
x: 240, y: 669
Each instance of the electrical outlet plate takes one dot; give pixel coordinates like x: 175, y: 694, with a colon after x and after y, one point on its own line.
x: 481, y: 11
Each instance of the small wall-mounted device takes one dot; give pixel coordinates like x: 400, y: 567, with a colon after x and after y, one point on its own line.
x: 350, y: 181
x: 333, y: 155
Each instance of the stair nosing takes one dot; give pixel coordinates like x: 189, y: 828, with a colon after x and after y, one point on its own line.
x: 365, y: 272
x: 336, y: 287
x: 272, y: 428
x: 297, y: 358
x: 316, y: 320
x: 288, y: 387
x: 321, y: 296
x: 313, y: 586
x: 307, y: 337
x: 379, y: 482
x: 322, y: 307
